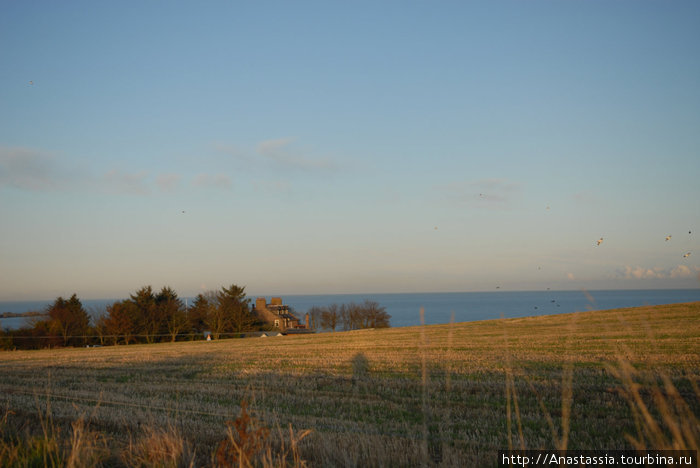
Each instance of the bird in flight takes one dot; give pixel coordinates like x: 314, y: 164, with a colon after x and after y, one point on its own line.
x: 668, y: 237
x: 599, y: 241
x: 686, y: 255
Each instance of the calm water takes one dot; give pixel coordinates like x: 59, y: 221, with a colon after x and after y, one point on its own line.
x: 404, y: 308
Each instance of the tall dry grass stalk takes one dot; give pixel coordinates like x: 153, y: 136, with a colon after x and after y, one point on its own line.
x: 159, y: 447
x: 433, y: 395
x: 287, y: 454
x: 248, y: 443
x: 87, y: 448
x: 663, y: 417
x: 83, y: 448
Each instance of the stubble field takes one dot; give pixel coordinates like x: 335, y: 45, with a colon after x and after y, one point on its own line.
x: 441, y: 395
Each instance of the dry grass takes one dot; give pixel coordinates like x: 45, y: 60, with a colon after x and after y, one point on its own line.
x: 159, y: 446
x: 430, y: 395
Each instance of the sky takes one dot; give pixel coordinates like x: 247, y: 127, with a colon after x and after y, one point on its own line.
x: 348, y: 147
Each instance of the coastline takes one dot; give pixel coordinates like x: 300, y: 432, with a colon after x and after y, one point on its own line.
x: 440, y: 308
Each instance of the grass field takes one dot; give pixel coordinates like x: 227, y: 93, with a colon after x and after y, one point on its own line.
x: 445, y: 395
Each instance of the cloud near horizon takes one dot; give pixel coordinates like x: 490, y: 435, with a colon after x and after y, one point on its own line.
x: 679, y: 271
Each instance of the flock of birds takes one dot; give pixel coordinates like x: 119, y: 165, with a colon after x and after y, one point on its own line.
x: 668, y: 238
x: 597, y: 243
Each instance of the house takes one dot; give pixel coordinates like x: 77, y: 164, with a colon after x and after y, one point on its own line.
x: 277, y: 314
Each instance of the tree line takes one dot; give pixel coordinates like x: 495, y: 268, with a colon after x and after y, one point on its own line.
x: 148, y: 316
x: 350, y: 316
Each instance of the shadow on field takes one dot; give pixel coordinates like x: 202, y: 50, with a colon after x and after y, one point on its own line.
x: 430, y: 412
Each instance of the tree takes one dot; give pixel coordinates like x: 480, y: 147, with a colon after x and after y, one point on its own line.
x: 374, y: 315
x: 330, y: 317
x: 354, y: 316
x: 172, y: 311
x: 69, y: 319
x: 350, y: 316
x: 315, y: 313
x: 236, y: 307
x: 42, y: 334
x: 150, y: 322
x: 218, y: 321
x: 122, y: 321
x: 198, y: 313
x: 101, y: 328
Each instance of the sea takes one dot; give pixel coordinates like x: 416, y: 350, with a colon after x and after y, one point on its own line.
x: 404, y: 308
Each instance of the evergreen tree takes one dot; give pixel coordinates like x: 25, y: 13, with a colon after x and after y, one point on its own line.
x: 236, y: 308
x: 122, y: 321
x: 150, y: 321
x: 198, y: 314
x: 172, y: 311
x: 69, y: 319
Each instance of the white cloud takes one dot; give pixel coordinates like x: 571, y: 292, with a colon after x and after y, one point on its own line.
x: 273, y: 147
x: 283, y: 152
x: 42, y: 171
x: 168, y: 182
x: 680, y: 271
x: 275, y: 186
x: 30, y: 169
x: 234, y: 152
x: 120, y: 182
x: 212, y: 181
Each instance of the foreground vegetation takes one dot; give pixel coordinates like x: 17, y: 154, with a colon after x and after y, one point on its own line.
x: 445, y: 395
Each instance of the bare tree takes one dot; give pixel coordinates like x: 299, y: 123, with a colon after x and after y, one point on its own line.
x: 330, y: 317
x: 217, y: 320
x: 374, y: 315
x: 354, y: 316
x: 315, y: 313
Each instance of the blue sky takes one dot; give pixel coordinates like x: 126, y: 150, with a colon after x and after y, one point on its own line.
x: 348, y: 147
